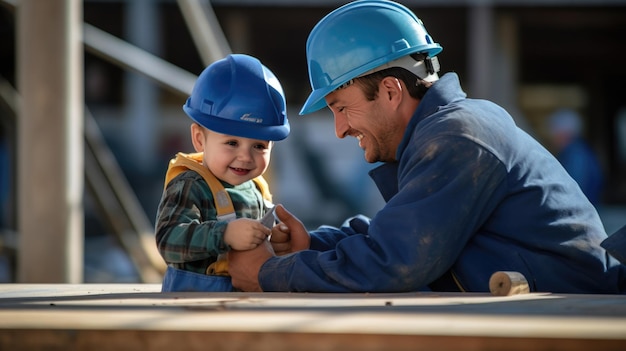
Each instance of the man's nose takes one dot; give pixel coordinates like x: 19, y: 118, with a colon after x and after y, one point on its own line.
x: 341, y: 125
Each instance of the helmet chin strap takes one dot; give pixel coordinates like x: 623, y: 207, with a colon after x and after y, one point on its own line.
x: 425, y: 69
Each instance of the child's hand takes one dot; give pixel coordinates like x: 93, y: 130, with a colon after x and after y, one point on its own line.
x: 245, y: 234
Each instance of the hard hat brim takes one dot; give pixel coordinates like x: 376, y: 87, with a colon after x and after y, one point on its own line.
x: 238, y: 128
x: 316, y: 100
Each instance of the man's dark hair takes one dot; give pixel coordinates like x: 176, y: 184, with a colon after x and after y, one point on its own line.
x: 369, y: 84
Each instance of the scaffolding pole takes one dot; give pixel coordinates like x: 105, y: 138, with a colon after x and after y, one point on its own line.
x: 50, y: 141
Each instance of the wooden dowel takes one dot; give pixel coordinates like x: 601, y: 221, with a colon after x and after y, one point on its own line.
x: 508, y: 283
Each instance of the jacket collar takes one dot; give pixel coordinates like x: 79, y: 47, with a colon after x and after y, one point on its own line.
x: 443, y: 92
x: 386, y: 179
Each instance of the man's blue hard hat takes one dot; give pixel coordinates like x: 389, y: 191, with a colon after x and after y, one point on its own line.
x: 358, y: 37
x: 239, y: 96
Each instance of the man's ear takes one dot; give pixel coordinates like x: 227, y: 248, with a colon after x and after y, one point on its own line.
x: 392, y: 89
x: 197, y: 137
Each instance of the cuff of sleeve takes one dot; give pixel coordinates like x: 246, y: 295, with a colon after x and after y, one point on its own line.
x: 274, y: 274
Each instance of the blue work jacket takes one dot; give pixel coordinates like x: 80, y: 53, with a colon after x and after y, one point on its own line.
x: 471, y: 194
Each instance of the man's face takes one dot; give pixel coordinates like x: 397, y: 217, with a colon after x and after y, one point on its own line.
x: 373, y: 123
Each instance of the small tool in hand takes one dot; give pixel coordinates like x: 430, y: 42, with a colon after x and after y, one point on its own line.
x: 269, y: 218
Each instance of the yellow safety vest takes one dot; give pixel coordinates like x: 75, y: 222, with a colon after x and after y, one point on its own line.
x: 223, y: 204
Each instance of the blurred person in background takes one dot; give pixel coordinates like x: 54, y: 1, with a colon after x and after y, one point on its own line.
x: 565, y: 127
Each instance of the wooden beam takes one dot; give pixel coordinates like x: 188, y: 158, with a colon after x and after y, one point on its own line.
x: 50, y: 141
x: 138, y: 316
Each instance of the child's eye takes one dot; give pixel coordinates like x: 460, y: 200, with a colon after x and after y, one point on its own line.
x: 231, y: 143
x: 260, y: 146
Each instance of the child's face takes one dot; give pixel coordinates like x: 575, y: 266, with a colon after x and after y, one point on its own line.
x: 230, y: 158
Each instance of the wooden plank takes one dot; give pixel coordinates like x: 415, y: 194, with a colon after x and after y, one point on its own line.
x: 116, y: 340
x: 109, y: 316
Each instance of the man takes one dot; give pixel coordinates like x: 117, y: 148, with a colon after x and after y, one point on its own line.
x: 467, y: 192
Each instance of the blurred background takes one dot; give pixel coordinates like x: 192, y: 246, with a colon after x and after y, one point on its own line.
x: 538, y: 59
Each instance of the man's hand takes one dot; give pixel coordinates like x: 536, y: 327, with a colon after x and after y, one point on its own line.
x: 244, y: 266
x: 289, y: 235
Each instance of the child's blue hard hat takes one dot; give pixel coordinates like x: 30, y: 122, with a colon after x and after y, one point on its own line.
x: 239, y: 96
